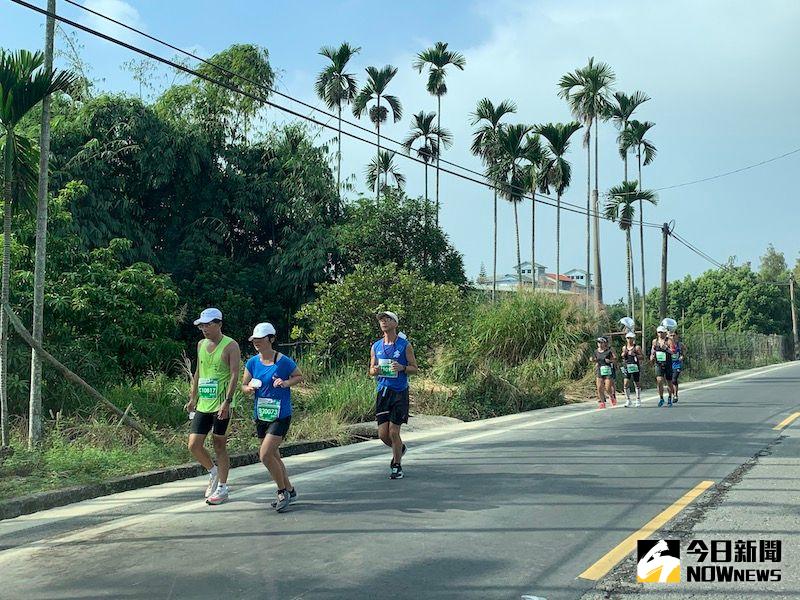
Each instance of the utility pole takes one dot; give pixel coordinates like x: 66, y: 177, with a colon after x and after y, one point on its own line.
x: 794, y: 316
x: 665, y: 231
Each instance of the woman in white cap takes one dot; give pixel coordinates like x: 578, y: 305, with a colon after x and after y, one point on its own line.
x: 268, y: 376
x: 661, y: 356
x: 632, y: 359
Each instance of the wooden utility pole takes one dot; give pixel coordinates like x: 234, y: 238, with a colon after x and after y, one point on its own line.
x: 662, y: 310
x: 794, y: 316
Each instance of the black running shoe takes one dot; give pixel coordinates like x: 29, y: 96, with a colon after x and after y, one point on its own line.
x: 397, y: 472
x: 292, y: 498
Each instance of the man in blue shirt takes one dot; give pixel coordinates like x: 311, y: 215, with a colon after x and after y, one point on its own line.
x: 391, y: 360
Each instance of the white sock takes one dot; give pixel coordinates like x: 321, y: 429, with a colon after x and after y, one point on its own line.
x: 213, y: 470
x: 638, y: 393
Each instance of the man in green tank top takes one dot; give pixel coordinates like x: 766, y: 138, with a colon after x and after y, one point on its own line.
x: 213, y: 385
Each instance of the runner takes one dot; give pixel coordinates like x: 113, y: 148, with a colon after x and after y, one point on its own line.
x: 632, y: 359
x: 213, y: 385
x: 604, y: 359
x: 268, y: 376
x: 660, y: 356
x: 391, y: 361
x: 678, y: 351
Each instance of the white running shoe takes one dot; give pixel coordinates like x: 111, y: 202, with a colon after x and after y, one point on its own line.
x: 219, y: 496
x: 213, y: 480
x: 638, y: 404
x: 628, y: 403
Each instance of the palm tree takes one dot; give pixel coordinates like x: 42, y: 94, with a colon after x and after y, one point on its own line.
x: 23, y: 85
x: 586, y: 90
x: 634, y: 137
x: 374, y: 90
x: 384, y: 165
x: 429, y: 139
x: 336, y: 88
x: 620, y: 208
x: 509, y: 172
x: 488, y: 117
x: 621, y: 111
x: 537, y: 156
x: 438, y: 58
x: 557, y: 172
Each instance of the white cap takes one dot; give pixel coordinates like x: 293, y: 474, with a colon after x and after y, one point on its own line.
x: 630, y: 334
x: 390, y: 314
x: 209, y: 315
x: 262, y: 330
x: 661, y: 329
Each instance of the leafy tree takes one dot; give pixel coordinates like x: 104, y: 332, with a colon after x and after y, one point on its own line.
x: 773, y: 266
x: 384, y: 165
x: 621, y: 110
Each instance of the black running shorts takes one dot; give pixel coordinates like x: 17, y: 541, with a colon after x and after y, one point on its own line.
x: 632, y: 376
x: 664, y: 370
x: 279, y: 427
x: 391, y: 406
x: 203, y: 422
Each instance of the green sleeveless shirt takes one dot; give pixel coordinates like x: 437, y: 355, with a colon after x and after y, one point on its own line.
x: 213, y: 377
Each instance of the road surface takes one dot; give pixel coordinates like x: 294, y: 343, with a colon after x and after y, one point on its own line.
x: 505, y: 508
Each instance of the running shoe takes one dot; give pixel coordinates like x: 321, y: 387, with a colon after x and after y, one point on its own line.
x: 397, y: 472
x: 661, y: 402
x: 213, y: 480
x: 282, y: 502
x: 292, y: 498
x: 669, y: 401
x: 613, y: 400
x: 219, y: 496
x: 637, y: 404
x: 675, y: 399
x: 628, y: 403
x: 602, y: 404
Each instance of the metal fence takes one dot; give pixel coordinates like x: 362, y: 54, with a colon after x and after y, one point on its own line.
x: 737, y: 350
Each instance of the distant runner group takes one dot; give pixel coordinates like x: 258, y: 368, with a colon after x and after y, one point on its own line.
x: 667, y: 355
x: 268, y: 378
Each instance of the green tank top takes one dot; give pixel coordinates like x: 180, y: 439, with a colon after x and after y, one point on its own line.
x: 213, y: 377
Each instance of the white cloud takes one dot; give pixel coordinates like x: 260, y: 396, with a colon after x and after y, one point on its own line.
x: 119, y: 11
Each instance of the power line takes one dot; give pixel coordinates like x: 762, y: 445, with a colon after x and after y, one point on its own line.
x: 697, y: 251
x: 264, y: 100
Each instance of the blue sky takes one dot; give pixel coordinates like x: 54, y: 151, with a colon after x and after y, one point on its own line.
x: 722, y: 75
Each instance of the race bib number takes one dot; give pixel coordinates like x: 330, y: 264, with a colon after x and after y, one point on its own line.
x: 676, y: 357
x: 268, y: 409
x: 605, y: 370
x: 208, y: 389
x: 661, y: 357
x: 632, y: 368
x: 385, y: 367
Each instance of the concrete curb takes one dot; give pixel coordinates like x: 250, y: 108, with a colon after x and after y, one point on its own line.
x: 24, y: 505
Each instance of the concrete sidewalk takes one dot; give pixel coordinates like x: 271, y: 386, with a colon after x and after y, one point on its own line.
x: 757, y: 502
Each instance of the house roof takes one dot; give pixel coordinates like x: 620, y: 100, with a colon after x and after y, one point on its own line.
x: 561, y: 277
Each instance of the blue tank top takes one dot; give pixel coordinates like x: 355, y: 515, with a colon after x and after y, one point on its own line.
x: 385, y: 354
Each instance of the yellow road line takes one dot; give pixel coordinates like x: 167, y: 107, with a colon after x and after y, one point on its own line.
x: 787, y: 421
x: 628, y: 545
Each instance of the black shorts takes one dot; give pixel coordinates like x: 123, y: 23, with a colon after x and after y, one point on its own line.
x: 391, y: 406
x: 632, y: 376
x: 203, y: 422
x: 664, y: 370
x: 279, y: 427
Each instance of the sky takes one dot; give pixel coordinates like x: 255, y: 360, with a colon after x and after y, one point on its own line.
x: 722, y: 75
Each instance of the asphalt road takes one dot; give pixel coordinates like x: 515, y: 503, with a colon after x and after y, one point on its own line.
x: 515, y: 506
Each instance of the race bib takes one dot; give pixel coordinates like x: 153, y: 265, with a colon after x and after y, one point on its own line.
x: 661, y: 357
x: 208, y: 389
x: 676, y: 357
x: 385, y: 367
x: 632, y: 368
x: 268, y: 409
x: 605, y: 370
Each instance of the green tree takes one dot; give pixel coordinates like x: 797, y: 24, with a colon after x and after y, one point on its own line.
x: 437, y: 59
x: 336, y: 88
x: 429, y: 139
x: 384, y: 165
x: 621, y: 110
x: 24, y: 83
x: 395, y: 232
x: 587, y: 92
x: 557, y: 173
x: 535, y: 177
x: 487, y: 117
x: 773, y: 266
x: 374, y: 91
x: 620, y: 208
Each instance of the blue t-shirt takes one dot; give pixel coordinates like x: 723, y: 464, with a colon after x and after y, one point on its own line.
x: 386, y: 353
x: 283, y: 369
x: 677, y: 357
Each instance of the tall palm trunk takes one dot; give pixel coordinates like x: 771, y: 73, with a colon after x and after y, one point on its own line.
x: 519, y: 256
x: 533, y: 236
x: 641, y: 244
x: 628, y: 269
x: 439, y: 140
x: 35, y: 404
x: 4, y: 291
x: 378, y: 174
x: 598, y: 274
x: 494, y: 252
x: 633, y: 276
x: 588, y: 211
x: 425, y: 219
x: 558, y: 245
x: 339, y: 156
